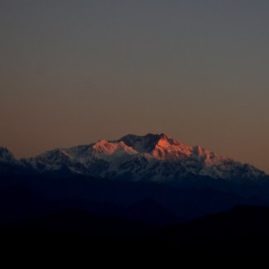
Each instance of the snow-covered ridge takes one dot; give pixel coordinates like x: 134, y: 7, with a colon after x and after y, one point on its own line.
x: 160, y: 147
x: 153, y: 156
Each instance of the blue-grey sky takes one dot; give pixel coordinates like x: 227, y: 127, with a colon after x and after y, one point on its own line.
x: 75, y: 71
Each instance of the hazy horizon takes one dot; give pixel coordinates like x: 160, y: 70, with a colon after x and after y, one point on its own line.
x: 74, y: 72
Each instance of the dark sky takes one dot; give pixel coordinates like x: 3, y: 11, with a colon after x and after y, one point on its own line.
x: 72, y: 72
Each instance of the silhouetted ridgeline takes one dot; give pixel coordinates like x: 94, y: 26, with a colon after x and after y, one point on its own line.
x: 90, y: 212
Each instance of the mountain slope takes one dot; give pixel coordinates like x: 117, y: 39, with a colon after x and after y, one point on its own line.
x: 9, y: 165
x: 135, y: 176
x: 150, y: 157
x: 6, y: 156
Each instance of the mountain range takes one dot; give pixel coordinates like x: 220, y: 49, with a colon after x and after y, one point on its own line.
x: 147, y: 191
x: 153, y: 178
x: 153, y: 157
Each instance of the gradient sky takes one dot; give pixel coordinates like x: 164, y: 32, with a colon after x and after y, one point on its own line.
x: 72, y: 72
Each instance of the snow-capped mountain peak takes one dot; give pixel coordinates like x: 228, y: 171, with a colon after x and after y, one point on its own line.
x: 106, y: 148
x: 159, y: 146
x: 145, y: 144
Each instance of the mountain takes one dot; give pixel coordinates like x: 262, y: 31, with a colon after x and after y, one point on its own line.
x: 130, y: 188
x: 9, y: 165
x: 6, y: 156
x: 152, y: 178
x: 153, y: 157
